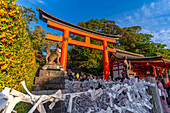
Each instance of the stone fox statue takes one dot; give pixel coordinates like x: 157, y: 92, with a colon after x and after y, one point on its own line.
x: 53, y: 56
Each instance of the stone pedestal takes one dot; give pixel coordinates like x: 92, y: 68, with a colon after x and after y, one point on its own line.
x: 51, y: 78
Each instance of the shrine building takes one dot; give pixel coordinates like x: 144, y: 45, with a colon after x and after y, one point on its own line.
x: 141, y: 65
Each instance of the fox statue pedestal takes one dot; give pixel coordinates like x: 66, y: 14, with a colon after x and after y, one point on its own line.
x: 51, y: 78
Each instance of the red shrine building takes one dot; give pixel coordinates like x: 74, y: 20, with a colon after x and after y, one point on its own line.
x: 141, y: 65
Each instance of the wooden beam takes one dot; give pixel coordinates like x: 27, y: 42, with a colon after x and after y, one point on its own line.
x: 78, y: 43
x: 139, y: 65
x: 83, y: 44
x: 60, y: 27
x: 118, y: 69
x: 54, y: 38
x: 111, y: 50
x: 154, y: 70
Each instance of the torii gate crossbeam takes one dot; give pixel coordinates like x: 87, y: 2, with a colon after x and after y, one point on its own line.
x: 69, y: 28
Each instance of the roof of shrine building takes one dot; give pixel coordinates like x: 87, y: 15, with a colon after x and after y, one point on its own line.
x: 44, y: 16
x: 120, y: 54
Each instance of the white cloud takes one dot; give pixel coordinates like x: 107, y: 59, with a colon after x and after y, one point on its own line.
x: 40, y: 1
x: 162, y: 31
x: 37, y: 1
x: 145, y: 10
x: 152, y: 5
x: 129, y: 18
x: 136, y: 15
x: 154, y: 18
x: 162, y: 36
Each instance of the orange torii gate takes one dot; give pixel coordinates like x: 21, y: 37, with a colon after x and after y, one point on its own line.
x: 68, y: 28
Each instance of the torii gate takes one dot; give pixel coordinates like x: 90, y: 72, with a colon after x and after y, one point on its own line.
x: 67, y: 28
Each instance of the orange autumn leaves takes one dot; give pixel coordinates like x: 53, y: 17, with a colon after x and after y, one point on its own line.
x: 17, y: 59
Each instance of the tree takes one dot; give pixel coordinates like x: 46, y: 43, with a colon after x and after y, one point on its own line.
x: 131, y: 40
x: 29, y: 15
x: 37, y: 35
x: 17, y: 58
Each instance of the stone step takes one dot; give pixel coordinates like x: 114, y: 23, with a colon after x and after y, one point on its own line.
x: 51, y: 73
x: 48, y: 87
x: 49, y: 80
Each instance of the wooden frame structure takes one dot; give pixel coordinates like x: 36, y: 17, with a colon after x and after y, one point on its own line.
x: 141, y: 65
x: 69, y: 28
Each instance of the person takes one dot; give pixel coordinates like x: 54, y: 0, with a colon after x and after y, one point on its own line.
x: 117, y: 78
x: 163, y: 96
x: 98, y: 78
x: 109, y: 78
x: 138, y: 78
x: 167, y: 86
x: 91, y: 77
x: 121, y: 78
x: 82, y: 74
x: 66, y: 76
x: 125, y: 63
x: 167, y: 83
x: 83, y: 78
x: 77, y: 76
x: 70, y: 76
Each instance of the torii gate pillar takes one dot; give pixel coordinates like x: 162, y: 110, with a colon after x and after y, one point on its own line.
x: 64, y: 50
x: 105, y: 60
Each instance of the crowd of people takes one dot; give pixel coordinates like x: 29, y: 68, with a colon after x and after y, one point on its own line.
x: 81, y: 76
x: 71, y: 75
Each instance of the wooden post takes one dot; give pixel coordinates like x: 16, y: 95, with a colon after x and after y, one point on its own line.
x: 64, y: 50
x: 153, y: 91
x: 112, y: 71
x: 140, y: 74
x: 166, y: 74
x: 87, y: 40
x: 133, y: 69
x: 118, y: 67
x: 146, y: 74
x: 105, y: 60
x: 154, y: 70
x: 160, y: 72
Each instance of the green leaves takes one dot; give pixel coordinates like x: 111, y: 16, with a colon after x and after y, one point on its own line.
x: 17, y: 59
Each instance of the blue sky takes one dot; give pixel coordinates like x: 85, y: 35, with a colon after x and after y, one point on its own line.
x: 152, y: 15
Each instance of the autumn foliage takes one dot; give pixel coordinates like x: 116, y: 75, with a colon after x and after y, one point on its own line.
x: 17, y: 58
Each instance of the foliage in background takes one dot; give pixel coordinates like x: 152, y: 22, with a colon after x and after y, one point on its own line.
x: 37, y: 34
x: 131, y: 40
x: 37, y: 37
x: 17, y: 58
